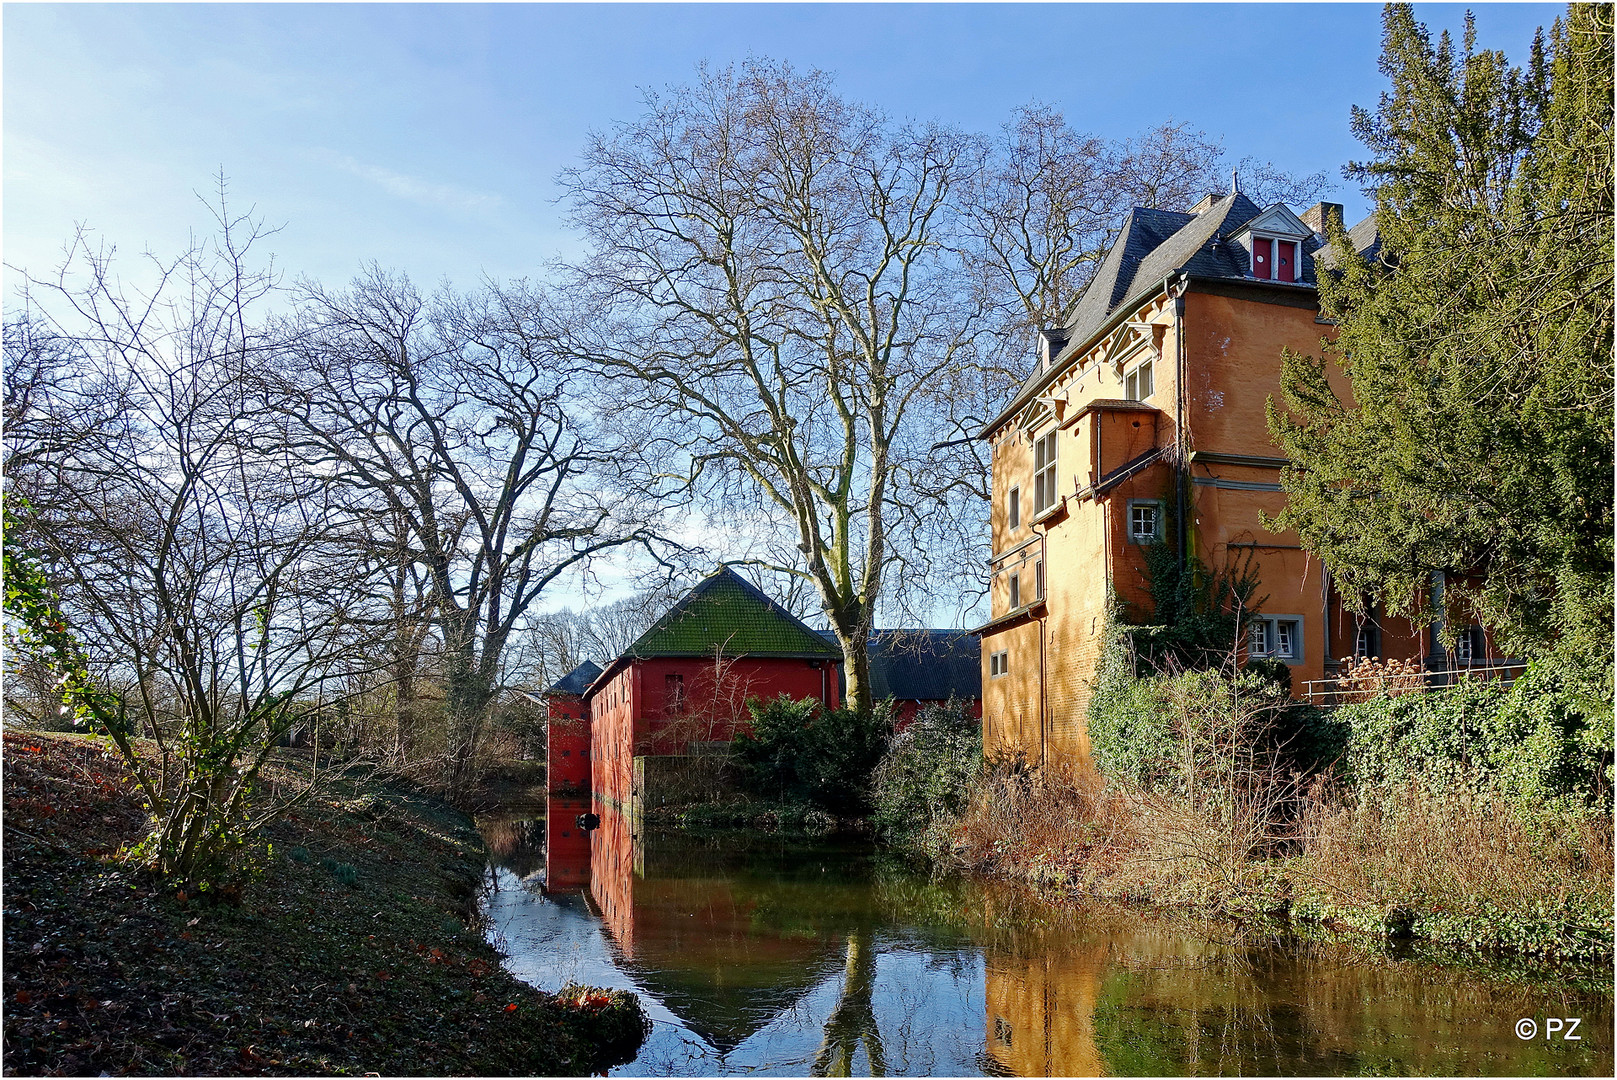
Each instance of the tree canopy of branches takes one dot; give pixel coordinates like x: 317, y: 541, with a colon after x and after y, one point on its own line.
x: 453, y: 430
x: 178, y: 569
x: 1477, y: 439
x: 772, y: 298
x: 808, y: 308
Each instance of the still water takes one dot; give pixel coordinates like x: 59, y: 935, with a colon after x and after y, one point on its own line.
x: 832, y: 958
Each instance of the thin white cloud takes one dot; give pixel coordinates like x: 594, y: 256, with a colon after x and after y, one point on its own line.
x: 419, y: 191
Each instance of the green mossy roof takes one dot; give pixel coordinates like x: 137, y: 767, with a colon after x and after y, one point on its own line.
x: 728, y: 613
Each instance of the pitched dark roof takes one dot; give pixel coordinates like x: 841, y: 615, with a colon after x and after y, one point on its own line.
x: 577, y: 680
x: 728, y: 613
x: 925, y: 665
x: 1152, y: 245
x: 1365, y: 238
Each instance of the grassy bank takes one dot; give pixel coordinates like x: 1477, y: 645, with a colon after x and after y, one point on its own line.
x: 1477, y: 817
x: 350, y: 945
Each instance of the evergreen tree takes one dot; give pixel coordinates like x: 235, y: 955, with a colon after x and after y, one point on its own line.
x: 1462, y: 420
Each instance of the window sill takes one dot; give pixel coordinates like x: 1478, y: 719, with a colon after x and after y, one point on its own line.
x: 1054, y: 512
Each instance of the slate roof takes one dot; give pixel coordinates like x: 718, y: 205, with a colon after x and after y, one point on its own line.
x: 925, y: 665
x: 728, y: 612
x: 1365, y: 238
x: 1152, y: 245
x: 576, y: 681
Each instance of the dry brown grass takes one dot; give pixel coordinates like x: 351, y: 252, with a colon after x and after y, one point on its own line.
x: 1531, y: 877
x: 1058, y: 824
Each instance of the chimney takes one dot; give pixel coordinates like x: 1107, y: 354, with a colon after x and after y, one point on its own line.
x: 1207, y: 203
x: 1316, y: 216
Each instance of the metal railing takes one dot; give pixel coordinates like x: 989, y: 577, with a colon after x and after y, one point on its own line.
x: 1341, y: 689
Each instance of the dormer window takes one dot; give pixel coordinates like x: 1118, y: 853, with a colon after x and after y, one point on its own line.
x: 1274, y: 243
x: 1274, y: 259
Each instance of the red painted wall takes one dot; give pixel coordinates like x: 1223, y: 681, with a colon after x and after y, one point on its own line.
x: 632, y: 712
x: 567, y: 745
x: 904, y: 712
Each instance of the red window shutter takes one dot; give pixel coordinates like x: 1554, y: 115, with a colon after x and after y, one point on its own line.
x: 1286, y: 261
x: 1262, y: 257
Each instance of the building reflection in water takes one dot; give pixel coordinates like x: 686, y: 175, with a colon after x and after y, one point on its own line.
x: 1040, y: 1012
x: 567, y: 846
x: 829, y: 960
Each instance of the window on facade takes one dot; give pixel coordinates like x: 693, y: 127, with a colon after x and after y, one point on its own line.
x: 1364, y: 640
x: 1014, y: 509
x: 1274, y: 260
x: 999, y: 663
x: 1470, y: 646
x: 1044, y: 473
x: 1016, y: 590
x: 1279, y: 636
x: 1145, y: 522
x: 1138, y: 384
x: 673, y: 693
x: 1038, y: 580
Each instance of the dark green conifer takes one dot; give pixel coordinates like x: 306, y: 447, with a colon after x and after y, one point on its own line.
x: 1462, y: 421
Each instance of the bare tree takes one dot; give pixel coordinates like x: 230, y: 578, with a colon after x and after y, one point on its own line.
x: 1049, y: 203
x: 463, y: 446
x: 775, y: 298
x: 179, y: 564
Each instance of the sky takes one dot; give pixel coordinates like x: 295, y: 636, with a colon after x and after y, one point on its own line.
x: 428, y: 138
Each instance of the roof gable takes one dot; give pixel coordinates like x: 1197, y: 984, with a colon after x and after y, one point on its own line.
x: 1278, y: 220
x: 577, y: 680
x: 729, y: 615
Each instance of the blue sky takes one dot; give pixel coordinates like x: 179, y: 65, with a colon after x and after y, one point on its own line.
x: 428, y: 137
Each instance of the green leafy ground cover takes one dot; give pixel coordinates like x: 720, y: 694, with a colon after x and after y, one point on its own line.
x: 350, y: 945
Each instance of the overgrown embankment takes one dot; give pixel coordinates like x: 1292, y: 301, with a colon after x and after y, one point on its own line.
x: 1478, y: 815
x: 349, y: 944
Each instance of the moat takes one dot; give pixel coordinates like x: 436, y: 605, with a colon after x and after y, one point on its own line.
x: 833, y: 957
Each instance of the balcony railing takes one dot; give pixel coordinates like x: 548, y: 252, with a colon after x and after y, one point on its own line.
x: 1342, y: 689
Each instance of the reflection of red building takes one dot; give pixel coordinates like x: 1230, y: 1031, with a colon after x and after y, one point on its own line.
x: 567, y: 731
x: 685, y: 682
x: 567, y: 847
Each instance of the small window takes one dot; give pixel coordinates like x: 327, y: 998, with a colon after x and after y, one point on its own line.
x: 1277, y: 636
x: 1038, y: 580
x: 1015, y: 508
x: 1138, y: 384
x: 1364, y: 640
x: 999, y: 663
x: 1470, y: 646
x: 1016, y: 591
x: 1145, y: 521
x: 1044, y: 473
x: 673, y: 693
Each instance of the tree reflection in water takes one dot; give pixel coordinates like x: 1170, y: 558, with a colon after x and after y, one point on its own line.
x: 854, y: 1019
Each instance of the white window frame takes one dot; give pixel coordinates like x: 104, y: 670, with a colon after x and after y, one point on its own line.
x: 999, y: 663
x: 1015, y: 586
x: 1013, y: 507
x: 1136, y: 388
x: 1038, y: 579
x: 1264, y: 638
x: 1044, y: 475
x: 1137, y: 538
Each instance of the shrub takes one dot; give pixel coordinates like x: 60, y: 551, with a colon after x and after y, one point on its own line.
x: 1536, y: 742
x: 797, y: 750
x: 927, y: 770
